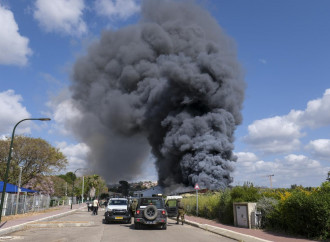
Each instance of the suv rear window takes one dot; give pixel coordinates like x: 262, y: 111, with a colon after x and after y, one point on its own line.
x: 118, y: 202
x: 152, y: 201
x: 171, y: 203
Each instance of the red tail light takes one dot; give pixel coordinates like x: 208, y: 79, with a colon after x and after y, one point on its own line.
x: 163, y: 212
x: 137, y: 211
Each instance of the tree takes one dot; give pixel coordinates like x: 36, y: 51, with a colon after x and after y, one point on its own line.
x: 35, y: 155
x: 124, y: 188
x: 59, y: 186
x: 93, y: 182
x: 44, y: 185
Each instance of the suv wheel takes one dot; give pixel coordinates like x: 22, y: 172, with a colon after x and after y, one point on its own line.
x: 150, y: 212
x: 137, y: 226
x: 164, y: 226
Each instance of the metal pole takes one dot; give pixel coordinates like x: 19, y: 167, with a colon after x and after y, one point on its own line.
x: 82, y: 191
x: 73, y: 178
x: 197, y: 202
x: 5, y: 180
x: 19, y: 188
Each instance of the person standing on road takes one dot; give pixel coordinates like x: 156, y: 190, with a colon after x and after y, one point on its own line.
x: 180, y: 208
x: 133, y: 206
x: 95, y: 206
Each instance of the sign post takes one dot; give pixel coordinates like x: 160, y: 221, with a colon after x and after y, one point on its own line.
x: 196, y: 188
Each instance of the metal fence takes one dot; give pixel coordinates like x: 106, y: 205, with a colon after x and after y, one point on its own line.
x: 26, y: 203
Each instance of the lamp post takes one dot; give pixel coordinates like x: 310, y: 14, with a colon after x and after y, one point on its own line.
x: 74, y: 178
x: 9, y: 158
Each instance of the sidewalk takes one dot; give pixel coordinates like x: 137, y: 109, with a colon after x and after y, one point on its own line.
x: 240, y: 234
x: 13, y: 225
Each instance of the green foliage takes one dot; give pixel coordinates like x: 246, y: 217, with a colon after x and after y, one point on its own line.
x: 68, y: 177
x: 36, y: 157
x: 245, y: 193
x: 226, y: 215
x: 124, y: 188
x: 303, y: 212
x: 267, y: 206
x: 298, y: 210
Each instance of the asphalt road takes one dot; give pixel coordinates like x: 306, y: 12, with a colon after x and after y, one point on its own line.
x: 83, y: 226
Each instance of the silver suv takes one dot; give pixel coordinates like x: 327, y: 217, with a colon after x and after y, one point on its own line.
x: 150, y: 211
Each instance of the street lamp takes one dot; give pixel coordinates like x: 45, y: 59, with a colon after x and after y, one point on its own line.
x: 9, y: 158
x: 74, y: 178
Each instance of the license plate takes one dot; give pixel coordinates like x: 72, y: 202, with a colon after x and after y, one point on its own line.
x: 118, y: 217
x: 149, y: 222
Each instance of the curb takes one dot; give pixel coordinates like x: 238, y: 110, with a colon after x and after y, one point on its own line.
x: 26, y: 225
x: 226, y: 232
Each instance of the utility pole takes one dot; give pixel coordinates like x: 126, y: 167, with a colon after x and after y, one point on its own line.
x: 18, y: 188
x: 82, y: 191
x: 270, y: 180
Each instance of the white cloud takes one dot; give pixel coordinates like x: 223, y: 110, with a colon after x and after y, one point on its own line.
x: 281, y: 134
x: 292, y: 169
x: 320, y: 148
x: 64, y: 112
x: 263, y: 61
x: 118, y: 9
x: 75, y: 153
x: 14, y: 48
x: 274, y: 135
x: 316, y: 114
x: 63, y: 16
x: 12, y: 111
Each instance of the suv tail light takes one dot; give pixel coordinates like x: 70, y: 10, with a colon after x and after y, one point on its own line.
x: 163, y: 212
x: 137, y: 211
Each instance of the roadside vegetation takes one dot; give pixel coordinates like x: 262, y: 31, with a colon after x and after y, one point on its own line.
x: 40, y: 161
x: 297, y: 210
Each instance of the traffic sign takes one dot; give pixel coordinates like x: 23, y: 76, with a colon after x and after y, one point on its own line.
x: 196, y: 186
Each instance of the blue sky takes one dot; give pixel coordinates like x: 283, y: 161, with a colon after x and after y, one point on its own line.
x: 282, y: 45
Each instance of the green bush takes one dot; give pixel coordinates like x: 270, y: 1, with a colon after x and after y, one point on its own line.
x: 304, y: 213
x: 267, y: 206
x: 208, y: 205
x: 226, y: 214
x: 245, y: 193
x: 297, y: 210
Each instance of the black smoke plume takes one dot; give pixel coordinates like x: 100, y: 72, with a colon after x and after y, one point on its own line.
x: 170, y: 83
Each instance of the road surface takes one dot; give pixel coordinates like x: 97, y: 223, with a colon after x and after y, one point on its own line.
x: 83, y: 226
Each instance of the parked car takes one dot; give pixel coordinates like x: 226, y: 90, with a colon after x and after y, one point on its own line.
x: 150, y: 211
x: 117, y: 210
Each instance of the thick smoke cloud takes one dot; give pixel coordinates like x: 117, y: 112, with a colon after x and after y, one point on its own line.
x: 171, y: 82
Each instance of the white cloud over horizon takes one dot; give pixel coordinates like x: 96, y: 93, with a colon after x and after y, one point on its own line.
x: 14, y: 48
x: 116, y: 9
x: 12, y: 111
x: 61, y: 16
x: 288, y: 170
x: 281, y: 134
x: 320, y: 148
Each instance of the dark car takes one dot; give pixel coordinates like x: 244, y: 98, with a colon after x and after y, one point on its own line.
x: 150, y: 211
